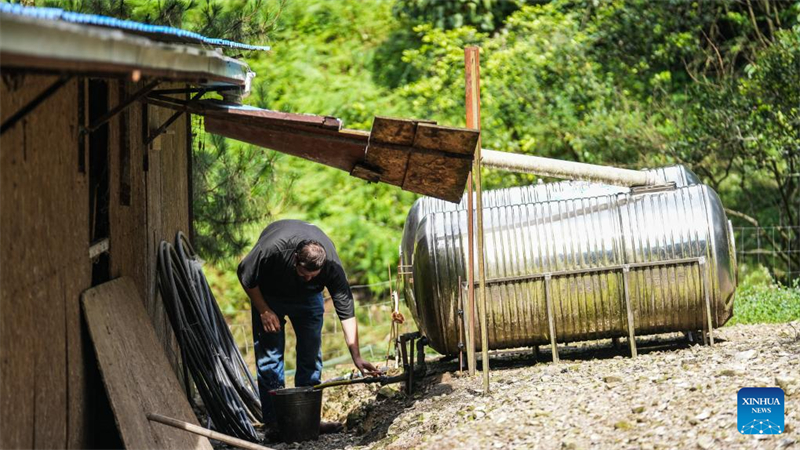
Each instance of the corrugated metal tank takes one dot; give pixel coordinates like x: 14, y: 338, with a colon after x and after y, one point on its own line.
x: 583, y: 242
x: 678, y: 174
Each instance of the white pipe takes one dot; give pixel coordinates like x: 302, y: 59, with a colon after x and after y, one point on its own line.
x: 556, y: 168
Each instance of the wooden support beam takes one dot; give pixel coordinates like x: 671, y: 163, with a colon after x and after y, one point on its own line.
x: 200, y: 431
x: 473, y: 102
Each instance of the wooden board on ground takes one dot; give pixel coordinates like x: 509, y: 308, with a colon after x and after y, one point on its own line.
x: 137, y: 376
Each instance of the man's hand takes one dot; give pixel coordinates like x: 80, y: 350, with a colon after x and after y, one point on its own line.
x: 270, y: 321
x: 365, y: 367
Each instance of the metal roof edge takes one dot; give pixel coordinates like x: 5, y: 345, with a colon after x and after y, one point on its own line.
x: 39, y: 43
x: 158, y: 31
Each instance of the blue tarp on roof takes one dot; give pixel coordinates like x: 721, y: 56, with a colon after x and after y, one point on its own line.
x: 156, y: 32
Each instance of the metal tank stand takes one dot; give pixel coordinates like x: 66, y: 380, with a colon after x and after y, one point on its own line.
x: 629, y: 310
x: 706, y: 291
x: 551, y: 323
x: 407, y: 343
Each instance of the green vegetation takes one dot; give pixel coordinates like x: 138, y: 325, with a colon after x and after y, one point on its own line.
x: 761, y: 300
x: 713, y: 86
x: 633, y: 83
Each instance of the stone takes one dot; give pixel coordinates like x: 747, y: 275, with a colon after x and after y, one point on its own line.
x: 705, y: 442
x: 788, y: 384
x: 745, y: 355
x: 703, y: 415
x: 388, y: 391
x: 623, y: 425
x: 571, y: 444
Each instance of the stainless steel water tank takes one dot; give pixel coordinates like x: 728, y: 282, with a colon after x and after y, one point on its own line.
x: 669, y: 241
x: 678, y: 174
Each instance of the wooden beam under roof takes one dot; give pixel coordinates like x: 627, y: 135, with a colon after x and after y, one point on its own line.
x: 415, y: 155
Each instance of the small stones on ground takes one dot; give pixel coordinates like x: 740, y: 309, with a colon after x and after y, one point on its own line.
x: 672, y: 397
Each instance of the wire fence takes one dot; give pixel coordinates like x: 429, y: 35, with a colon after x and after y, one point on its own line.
x: 776, y: 248
x: 374, y: 320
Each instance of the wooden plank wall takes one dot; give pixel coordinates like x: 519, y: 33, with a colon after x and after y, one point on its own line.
x: 157, y: 200
x: 44, y: 240
x: 167, y: 187
x: 44, y: 267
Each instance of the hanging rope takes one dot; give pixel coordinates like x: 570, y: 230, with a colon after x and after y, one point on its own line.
x: 397, y: 320
x: 208, y: 349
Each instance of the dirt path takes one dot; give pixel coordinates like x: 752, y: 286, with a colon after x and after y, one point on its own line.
x: 671, y: 396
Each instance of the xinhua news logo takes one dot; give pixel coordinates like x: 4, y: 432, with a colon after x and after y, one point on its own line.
x: 760, y: 411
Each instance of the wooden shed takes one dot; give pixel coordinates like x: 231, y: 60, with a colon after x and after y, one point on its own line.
x: 95, y: 171
x: 84, y: 198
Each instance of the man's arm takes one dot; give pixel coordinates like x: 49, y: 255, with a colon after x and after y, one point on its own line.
x: 268, y: 318
x: 345, y: 308
x: 350, y: 329
x: 249, y: 272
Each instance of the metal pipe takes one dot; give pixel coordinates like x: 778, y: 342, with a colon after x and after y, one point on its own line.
x: 556, y: 168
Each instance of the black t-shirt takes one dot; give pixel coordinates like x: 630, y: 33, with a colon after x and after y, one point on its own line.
x: 270, y: 266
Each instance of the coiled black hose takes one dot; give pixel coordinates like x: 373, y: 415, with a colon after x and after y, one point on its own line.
x: 217, y: 367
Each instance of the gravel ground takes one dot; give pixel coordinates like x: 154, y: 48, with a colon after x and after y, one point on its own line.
x: 673, y: 396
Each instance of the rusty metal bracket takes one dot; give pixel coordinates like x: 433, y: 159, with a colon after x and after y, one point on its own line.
x: 629, y: 310
x: 172, y: 118
x: 120, y: 107
x: 33, y: 104
x: 414, y: 339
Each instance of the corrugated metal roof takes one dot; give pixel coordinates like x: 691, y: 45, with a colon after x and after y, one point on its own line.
x: 156, y: 32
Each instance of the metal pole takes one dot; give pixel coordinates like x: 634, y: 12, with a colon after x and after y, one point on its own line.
x: 470, y: 278
x: 460, y: 319
x: 629, y: 311
x: 551, y: 322
x: 557, y: 168
x: 473, y: 103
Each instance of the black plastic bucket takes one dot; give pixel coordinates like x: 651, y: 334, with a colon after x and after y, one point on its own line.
x: 298, y: 412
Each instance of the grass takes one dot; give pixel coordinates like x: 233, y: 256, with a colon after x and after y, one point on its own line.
x: 759, y: 299
x: 764, y: 303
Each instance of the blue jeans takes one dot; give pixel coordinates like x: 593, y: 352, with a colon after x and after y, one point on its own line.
x: 306, y: 316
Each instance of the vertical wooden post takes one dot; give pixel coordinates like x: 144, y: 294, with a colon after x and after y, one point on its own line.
x: 473, y: 103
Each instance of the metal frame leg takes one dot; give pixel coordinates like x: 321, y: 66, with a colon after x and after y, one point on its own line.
x: 631, y: 332
x: 707, y: 295
x: 550, y: 319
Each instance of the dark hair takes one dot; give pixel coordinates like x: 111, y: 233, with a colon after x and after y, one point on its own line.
x: 310, y: 254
